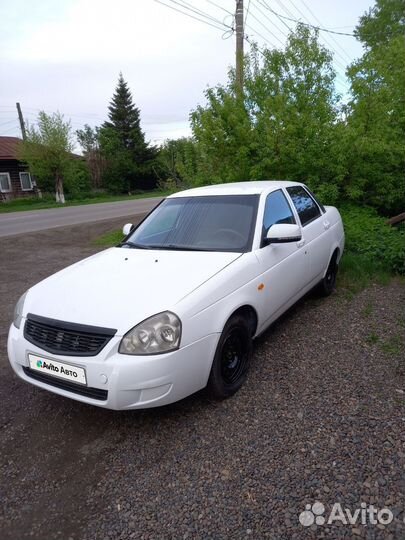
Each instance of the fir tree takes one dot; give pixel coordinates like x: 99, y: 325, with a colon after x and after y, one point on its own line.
x: 130, y: 158
x: 124, y: 118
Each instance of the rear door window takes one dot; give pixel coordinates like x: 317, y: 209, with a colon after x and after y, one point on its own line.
x: 305, y: 205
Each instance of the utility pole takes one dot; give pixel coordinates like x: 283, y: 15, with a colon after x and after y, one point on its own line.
x: 22, y: 124
x: 239, y: 45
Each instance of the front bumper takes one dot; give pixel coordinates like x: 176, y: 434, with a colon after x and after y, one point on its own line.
x: 131, y: 382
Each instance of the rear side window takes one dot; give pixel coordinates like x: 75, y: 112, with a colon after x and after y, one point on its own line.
x: 306, y: 207
x: 277, y: 210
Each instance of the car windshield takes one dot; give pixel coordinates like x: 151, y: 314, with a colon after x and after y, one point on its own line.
x: 204, y: 223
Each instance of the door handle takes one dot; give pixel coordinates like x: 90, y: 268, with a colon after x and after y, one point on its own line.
x: 301, y: 243
x: 326, y: 224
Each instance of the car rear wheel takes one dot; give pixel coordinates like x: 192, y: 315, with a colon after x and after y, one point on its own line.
x: 328, y: 283
x: 232, y: 357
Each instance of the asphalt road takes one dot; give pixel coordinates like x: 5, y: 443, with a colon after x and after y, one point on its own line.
x: 39, y: 220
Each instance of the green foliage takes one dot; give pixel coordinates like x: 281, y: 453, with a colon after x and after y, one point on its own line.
x: 285, y: 126
x: 77, y: 179
x: 48, y: 201
x: 374, y: 142
x: 109, y: 239
x: 223, y: 131
x: 89, y: 140
x: 290, y: 124
x: 130, y: 161
x: 177, y: 162
x: 356, y: 272
x: 374, y: 244
x: 47, y: 151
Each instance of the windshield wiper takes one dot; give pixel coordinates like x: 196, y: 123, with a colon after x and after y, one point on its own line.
x: 168, y: 247
x: 174, y: 247
x: 134, y: 246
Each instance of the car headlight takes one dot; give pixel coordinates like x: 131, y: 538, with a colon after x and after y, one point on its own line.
x: 158, y: 334
x: 18, y: 311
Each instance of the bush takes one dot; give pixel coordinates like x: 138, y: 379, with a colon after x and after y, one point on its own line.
x: 369, y: 236
x: 77, y: 180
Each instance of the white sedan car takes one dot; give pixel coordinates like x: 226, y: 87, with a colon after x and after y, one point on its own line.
x: 174, y: 308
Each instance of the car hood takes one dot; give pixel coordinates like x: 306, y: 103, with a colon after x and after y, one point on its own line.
x: 119, y: 287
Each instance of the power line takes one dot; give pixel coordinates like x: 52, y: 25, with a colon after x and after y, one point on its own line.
x: 331, y: 32
x: 309, y: 25
x: 193, y: 9
x: 9, y: 131
x: 265, y: 27
x: 13, y: 121
x: 260, y: 35
x: 193, y: 17
x: 321, y: 28
x: 324, y: 37
x: 264, y: 4
x: 270, y: 20
x: 339, y: 79
x: 219, y: 7
x: 247, y: 12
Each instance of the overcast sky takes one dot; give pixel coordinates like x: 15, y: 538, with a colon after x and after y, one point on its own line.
x: 66, y: 54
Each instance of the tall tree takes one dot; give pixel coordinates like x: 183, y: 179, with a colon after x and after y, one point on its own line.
x: 283, y: 128
x: 376, y: 122
x: 47, y: 150
x: 129, y: 157
x: 177, y: 162
x: 88, y: 138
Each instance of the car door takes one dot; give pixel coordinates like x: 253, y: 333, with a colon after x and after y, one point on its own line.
x: 314, y: 226
x: 283, y: 267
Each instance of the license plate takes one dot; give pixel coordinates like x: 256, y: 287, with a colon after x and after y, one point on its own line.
x: 57, y: 369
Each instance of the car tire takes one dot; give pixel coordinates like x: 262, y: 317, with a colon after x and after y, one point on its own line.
x: 232, y: 357
x: 327, y: 285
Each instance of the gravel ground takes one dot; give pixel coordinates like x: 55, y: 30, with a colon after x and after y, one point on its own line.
x: 320, y: 419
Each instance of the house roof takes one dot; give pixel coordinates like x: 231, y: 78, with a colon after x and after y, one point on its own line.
x: 9, y: 147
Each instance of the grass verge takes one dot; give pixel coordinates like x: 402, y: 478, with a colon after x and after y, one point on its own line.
x: 31, y: 203
x: 109, y: 239
x: 374, y: 251
x: 356, y: 272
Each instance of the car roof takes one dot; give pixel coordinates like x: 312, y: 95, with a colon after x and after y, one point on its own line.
x: 236, y: 188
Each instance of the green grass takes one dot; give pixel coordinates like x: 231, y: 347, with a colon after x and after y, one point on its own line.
x: 34, y: 203
x: 374, y: 251
x: 372, y: 338
x: 368, y: 310
x: 369, y: 236
x: 356, y: 272
x: 109, y: 239
x: 392, y: 346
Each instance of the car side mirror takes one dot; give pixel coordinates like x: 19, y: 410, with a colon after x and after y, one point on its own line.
x: 281, y: 233
x: 127, y: 228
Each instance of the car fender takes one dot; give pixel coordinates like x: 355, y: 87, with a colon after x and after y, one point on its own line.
x: 336, y: 233
x: 209, y: 307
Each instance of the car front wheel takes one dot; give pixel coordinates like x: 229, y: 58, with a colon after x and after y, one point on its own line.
x: 231, y: 361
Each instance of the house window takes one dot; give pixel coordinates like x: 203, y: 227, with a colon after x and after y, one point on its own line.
x: 5, y: 182
x: 25, y: 179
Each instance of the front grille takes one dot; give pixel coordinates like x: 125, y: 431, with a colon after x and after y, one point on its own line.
x: 64, y: 338
x: 94, y: 393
